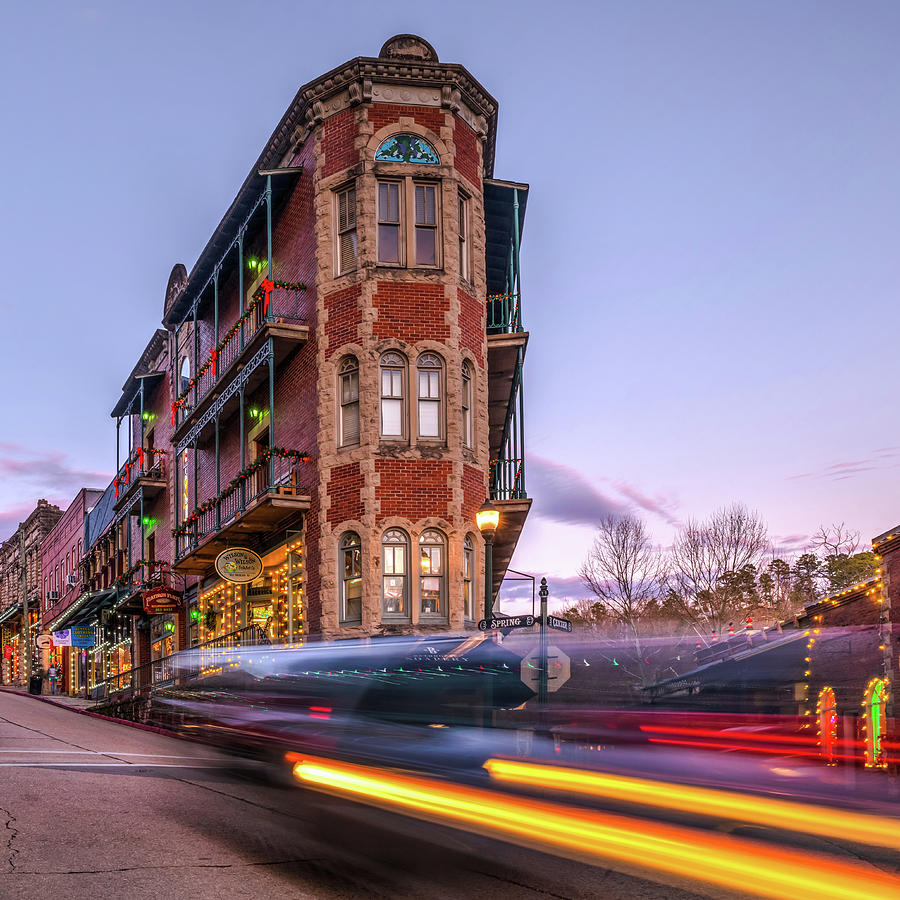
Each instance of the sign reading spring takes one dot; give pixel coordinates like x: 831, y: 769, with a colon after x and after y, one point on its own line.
x: 239, y: 565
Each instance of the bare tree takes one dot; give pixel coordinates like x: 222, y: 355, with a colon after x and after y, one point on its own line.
x: 711, y: 561
x: 835, y: 540
x: 624, y: 570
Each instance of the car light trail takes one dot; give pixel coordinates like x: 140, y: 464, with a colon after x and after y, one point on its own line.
x: 804, y: 817
x: 730, y: 862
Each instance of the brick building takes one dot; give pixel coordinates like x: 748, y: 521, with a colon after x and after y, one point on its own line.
x: 337, y: 385
x: 61, y: 554
x: 13, y: 593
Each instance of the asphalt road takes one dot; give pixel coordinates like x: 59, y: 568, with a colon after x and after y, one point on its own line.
x: 91, y: 808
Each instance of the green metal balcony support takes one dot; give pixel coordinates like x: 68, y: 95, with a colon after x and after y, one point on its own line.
x: 518, y: 271
x: 522, y: 417
x: 243, y: 448
x: 269, y: 224
x: 216, y: 272
x: 218, y: 477
x: 271, y: 412
x: 196, y: 354
x: 240, y: 250
x: 128, y: 521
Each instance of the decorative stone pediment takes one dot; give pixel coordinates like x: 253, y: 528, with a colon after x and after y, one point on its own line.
x: 177, y: 281
x: 408, y: 46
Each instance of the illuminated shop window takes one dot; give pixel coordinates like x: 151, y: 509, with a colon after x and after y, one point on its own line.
x: 395, y: 574
x: 433, y: 574
x: 351, y: 579
x: 875, y: 708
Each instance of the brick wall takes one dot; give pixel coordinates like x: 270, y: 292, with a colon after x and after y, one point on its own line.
x: 344, y: 317
x: 468, y: 158
x: 381, y: 114
x: 338, y: 136
x: 474, y: 483
x: 413, y: 488
x: 472, y: 325
x: 345, y: 486
x: 411, y: 312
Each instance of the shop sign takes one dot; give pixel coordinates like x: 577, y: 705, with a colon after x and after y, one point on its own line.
x: 239, y: 565
x: 82, y: 635
x: 43, y: 641
x: 7, y: 651
x: 161, y: 600
x: 62, y: 638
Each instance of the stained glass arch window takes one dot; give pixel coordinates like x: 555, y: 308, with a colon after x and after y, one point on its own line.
x: 408, y: 148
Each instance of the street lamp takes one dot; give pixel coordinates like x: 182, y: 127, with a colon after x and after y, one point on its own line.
x: 488, y: 517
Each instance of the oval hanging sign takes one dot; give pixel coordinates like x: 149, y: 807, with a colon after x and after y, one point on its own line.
x: 239, y: 565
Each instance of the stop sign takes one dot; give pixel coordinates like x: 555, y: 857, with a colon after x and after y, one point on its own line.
x: 559, y: 668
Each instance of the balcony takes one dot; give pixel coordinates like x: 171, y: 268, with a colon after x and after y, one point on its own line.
x: 253, y: 504
x: 273, y: 312
x: 143, y: 475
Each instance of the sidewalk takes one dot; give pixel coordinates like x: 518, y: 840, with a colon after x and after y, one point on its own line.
x: 56, y: 699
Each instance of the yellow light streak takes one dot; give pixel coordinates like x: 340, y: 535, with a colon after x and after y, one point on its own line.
x: 808, y: 818
x: 594, y: 836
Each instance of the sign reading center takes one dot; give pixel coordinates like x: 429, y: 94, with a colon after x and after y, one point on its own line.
x: 239, y: 565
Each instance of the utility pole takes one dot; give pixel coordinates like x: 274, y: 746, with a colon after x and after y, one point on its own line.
x: 26, y: 629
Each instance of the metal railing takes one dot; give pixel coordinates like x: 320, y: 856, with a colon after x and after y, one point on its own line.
x: 503, y: 314
x: 179, y: 668
x: 277, y: 476
x: 284, y: 306
x: 507, y: 479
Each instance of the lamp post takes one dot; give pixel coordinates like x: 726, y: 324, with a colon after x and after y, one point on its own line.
x: 488, y: 517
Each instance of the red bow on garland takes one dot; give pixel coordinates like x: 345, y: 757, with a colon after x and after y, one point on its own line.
x: 268, y: 286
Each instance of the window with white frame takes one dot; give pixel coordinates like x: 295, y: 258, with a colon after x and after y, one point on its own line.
x: 433, y: 574
x: 348, y: 378
x: 468, y: 425
x: 469, y: 577
x: 345, y: 202
x: 395, y: 574
x: 464, y: 262
x: 392, y: 378
x: 429, y: 370
x: 350, y: 564
x: 409, y: 223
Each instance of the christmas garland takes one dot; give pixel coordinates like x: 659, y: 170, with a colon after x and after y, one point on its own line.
x: 260, y: 295
x: 496, y: 298
x: 125, y: 577
x: 235, y: 483
x: 136, y: 459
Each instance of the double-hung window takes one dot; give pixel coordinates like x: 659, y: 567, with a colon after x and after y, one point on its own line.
x: 351, y: 579
x: 468, y: 577
x: 393, y: 376
x: 432, y: 574
x: 464, y: 262
x: 468, y: 430
x: 409, y: 223
x: 395, y: 574
x: 349, y: 410
x: 429, y: 416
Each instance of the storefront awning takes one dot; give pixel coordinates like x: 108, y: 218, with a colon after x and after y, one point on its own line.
x: 82, y: 609
x: 10, y: 611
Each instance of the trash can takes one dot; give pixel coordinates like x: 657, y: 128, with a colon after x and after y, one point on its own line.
x: 35, y: 684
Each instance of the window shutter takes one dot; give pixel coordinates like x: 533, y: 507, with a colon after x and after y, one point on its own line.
x: 348, y: 251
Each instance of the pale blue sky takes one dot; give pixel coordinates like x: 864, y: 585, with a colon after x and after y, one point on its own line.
x: 710, y: 251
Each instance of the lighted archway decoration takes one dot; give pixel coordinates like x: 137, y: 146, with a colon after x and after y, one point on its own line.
x: 407, y: 148
x: 826, y: 715
x: 875, y: 708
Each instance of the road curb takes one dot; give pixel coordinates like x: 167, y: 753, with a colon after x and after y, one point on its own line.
x: 88, y: 712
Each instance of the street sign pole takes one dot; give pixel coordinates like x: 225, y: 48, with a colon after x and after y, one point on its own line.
x: 543, y: 693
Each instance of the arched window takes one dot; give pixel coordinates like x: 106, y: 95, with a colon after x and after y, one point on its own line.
x: 407, y: 148
x: 395, y: 575
x: 433, y: 574
x: 350, y: 563
x: 348, y: 377
x: 469, y: 577
x: 468, y: 424
x: 875, y: 706
x: 185, y: 374
x: 826, y: 714
x: 393, y: 377
x: 429, y: 416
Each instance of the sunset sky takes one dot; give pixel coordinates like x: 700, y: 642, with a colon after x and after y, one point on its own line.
x: 710, y: 252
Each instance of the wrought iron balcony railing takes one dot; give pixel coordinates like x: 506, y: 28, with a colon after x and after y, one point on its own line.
x: 504, y: 314
x: 508, y: 479
x: 274, y: 302
x: 274, y: 473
